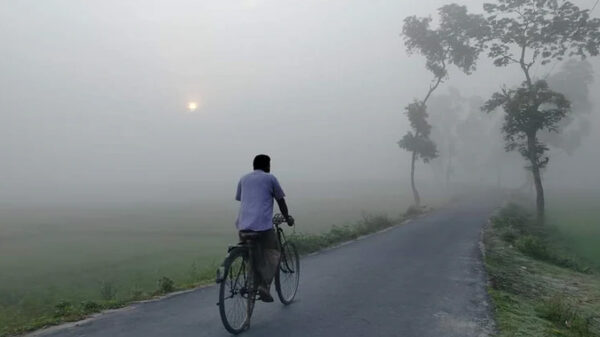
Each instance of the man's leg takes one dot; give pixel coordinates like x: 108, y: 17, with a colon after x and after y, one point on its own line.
x: 257, y: 257
x: 269, y: 262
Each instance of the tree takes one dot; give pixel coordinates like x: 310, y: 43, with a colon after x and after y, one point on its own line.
x: 525, y: 33
x: 417, y: 141
x: 457, y: 41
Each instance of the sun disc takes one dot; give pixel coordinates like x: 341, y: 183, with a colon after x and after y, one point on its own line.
x: 192, y: 106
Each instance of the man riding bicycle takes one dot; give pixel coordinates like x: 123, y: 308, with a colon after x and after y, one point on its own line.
x: 256, y: 191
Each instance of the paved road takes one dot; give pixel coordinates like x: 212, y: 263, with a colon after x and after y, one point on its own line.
x: 423, y: 278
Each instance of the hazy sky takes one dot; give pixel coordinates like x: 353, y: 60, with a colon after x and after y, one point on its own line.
x: 93, y: 94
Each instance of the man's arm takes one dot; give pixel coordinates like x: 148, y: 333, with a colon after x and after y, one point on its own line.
x: 283, y: 207
x: 279, y: 195
x: 284, y: 210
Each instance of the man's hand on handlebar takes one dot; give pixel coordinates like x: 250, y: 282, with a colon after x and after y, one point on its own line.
x: 289, y: 220
x: 278, y: 219
x: 284, y: 210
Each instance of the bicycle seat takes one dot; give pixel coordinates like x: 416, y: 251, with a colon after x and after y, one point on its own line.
x: 246, y: 236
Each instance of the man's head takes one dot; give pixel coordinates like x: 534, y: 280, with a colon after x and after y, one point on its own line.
x: 262, y: 162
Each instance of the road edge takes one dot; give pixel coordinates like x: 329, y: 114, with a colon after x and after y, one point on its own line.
x: 130, y: 306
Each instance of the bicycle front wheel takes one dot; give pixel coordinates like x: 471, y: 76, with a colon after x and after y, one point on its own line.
x: 237, y: 292
x: 288, y: 276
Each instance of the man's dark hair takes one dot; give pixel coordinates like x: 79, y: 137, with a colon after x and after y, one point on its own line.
x: 262, y: 162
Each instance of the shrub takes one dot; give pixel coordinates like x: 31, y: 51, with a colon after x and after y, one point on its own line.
x: 558, y: 311
x: 413, y: 211
x: 88, y: 307
x: 63, y: 308
x: 513, y: 218
x: 538, y: 249
x: 533, y: 246
x: 509, y: 234
x: 165, y: 285
x: 307, y: 243
x: 373, y: 223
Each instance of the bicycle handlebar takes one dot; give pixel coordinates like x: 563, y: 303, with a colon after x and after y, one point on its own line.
x: 278, y: 219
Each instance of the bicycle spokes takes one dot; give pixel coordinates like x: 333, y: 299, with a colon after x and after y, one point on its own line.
x: 236, y: 295
x: 285, y: 266
x: 287, y: 278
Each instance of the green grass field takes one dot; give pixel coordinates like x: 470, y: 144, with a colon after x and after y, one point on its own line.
x: 575, y: 217
x: 538, y: 286
x: 116, y: 254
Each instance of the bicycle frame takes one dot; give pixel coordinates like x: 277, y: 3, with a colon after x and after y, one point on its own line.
x: 250, y: 251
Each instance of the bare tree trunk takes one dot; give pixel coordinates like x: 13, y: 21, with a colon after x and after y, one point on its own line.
x: 537, y: 179
x: 412, y: 180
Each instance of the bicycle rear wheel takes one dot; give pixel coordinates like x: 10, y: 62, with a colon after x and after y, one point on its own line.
x: 237, y: 292
x: 288, y: 276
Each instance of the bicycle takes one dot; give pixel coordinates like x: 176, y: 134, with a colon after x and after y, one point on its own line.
x: 236, y: 278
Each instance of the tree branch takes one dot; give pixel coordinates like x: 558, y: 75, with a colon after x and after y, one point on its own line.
x: 439, y: 78
x: 512, y: 59
x: 524, y: 65
x: 432, y: 88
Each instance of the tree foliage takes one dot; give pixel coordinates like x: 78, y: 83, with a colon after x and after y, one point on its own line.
x: 529, y: 110
x: 418, y: 141
x: 458, y: 40
x: 548, y: 29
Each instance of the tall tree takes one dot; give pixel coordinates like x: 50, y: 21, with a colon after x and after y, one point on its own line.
x: 456, y: 41
x: 417, y: 141
x: 525, y: 33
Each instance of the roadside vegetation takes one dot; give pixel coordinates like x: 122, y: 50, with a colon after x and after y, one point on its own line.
x: 35, y: 315
x: 308, y: 243
x: 539, y: 286
x: 27, y: 314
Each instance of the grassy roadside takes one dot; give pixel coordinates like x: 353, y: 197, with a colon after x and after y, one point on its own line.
x: 308, y: 243
x: 65, y: 311
x: 538, y: 287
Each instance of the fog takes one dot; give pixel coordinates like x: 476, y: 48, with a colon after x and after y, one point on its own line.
x: 94, y: 97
